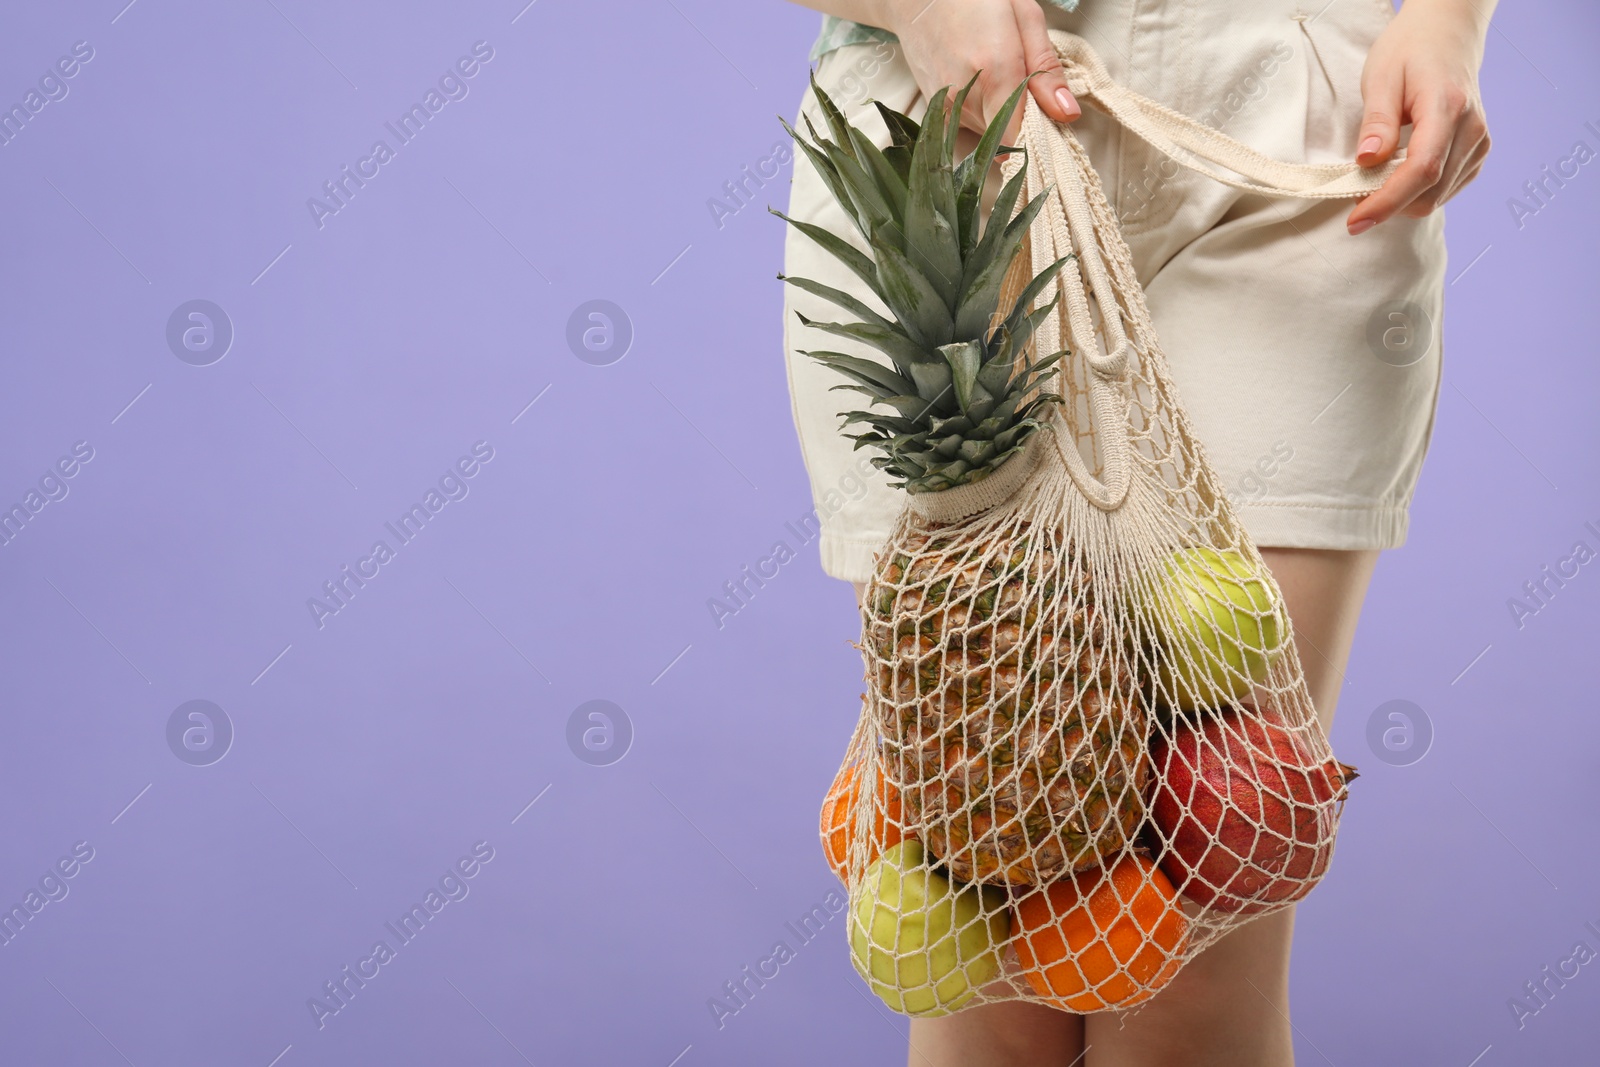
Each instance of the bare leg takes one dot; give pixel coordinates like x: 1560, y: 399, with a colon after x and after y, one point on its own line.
x: 1008, y: 1034
x: 1230, y: 1005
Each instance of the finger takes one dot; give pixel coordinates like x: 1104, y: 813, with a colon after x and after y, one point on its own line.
x: 998, y: 64
x: 1474, y: 164
x: 996, y: 88
x: 1462, y: 147
x: 1466, y: 179
x: 1432, y: 132
x: 1049, y: 86
x: 1470, y: 176
x: 1382, y: 106
x: 972, y: 111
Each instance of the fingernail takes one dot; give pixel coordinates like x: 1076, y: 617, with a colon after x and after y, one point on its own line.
x: 1068, y: 104
x: 1370, y: 145
x: 1359, y: 228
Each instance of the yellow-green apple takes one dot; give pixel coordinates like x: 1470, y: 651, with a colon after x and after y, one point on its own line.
x: 923, y: 944
x: 1218, y: 621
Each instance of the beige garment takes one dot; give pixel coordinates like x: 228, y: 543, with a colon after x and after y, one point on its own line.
x: 1308, y: 360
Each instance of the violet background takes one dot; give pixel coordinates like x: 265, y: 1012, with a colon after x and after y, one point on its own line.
x: 427, y: 714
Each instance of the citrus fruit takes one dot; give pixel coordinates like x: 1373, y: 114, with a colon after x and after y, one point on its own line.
x: 839, y: 819
x: 1109, y: 937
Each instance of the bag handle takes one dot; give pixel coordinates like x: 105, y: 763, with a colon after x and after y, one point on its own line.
x: 1067, y: 224
x: 1196, y: 145
x: 1079, y: 219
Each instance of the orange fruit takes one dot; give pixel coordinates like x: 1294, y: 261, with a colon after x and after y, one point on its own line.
x: 839, y: 817
x: 1104, y: 938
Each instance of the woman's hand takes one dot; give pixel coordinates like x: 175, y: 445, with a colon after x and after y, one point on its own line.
x: 1003, y: 41
x: 1423, y: 70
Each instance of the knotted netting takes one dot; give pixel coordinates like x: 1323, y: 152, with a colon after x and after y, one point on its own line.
x: 1087, y: 749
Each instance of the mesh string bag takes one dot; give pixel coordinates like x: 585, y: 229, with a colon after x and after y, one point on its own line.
x: 1087, y: 749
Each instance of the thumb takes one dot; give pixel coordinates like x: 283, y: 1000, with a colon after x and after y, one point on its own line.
x: 1380, y: 121
x: 1049, y: 87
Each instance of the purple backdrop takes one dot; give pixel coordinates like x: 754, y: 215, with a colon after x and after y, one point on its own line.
x: 426, y: 728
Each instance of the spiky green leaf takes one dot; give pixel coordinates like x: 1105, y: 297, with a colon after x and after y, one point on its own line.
x: 891, y: 186
x: 915, y: 303
x: 977, y: 453
x: 1008, y: 349
x: 870, y: 205
x: 980, y: 403
x: 965, y: 358
x: 933, y: 382
x: 954, y: 126
x: 971, y: 188
x: 975, y: 259
x: 888, y: 340
x: 860, y: 264
x: 837, y: 124
x: 900, y: 159
x: 982, y: 295
x: 1031, y: 291
x: 903, y: 130
x: 897, y: 424
x: 843, y: 299
x: 953, y: 424
x: 865, y: 371
x: 938, y: 148
x: 930, y: 237
x: 826, y: 170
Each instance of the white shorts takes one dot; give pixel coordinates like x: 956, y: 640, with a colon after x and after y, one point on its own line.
x: 1308, y: 360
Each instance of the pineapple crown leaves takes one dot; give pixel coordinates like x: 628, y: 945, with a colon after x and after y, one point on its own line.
x: 961, y: 369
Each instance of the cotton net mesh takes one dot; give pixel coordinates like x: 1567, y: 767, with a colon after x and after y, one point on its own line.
x: 1086, y: 750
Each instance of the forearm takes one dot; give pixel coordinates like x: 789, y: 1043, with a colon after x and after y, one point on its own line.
x: 1472, y: 15
x: 882, y: 13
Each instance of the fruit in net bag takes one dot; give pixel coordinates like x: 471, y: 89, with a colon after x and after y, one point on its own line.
x: 1020, y: 648
x: 1016, y: 744
x: 1245, y: 812
x: 924, y: 944
x: 1109, y: 937
x: 838, y: 819
x: 1218, y: 627
x: 1014, y: 732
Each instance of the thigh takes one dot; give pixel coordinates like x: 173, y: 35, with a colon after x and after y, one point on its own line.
x: 1323, y: 591
x: 1005, y: 1034
x: 1230, y: 1005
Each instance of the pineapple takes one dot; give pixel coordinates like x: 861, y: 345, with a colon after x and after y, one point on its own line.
x: 1009, y: 723
x: 1011, y: 726
x: 961, y: 389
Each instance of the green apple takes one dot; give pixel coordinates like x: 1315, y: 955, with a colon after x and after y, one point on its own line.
x: 1218, y: 627
x: 923, y: 944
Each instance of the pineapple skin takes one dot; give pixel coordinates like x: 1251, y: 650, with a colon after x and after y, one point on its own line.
x: 1013, y: 732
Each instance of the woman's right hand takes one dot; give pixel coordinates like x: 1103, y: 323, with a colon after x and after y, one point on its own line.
x: 1002, y: 41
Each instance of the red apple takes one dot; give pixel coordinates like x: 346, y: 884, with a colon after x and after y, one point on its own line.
x: 1246, y: 814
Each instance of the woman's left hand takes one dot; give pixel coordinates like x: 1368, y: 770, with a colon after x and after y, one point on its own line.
x: 1423, y: 70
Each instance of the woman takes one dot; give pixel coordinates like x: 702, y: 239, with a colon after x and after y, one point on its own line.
x: 1318, y: 425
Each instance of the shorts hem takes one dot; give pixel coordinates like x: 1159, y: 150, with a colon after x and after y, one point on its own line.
x: 1341, y: 527
x: 850, y: 559
x: 1270, y: 525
